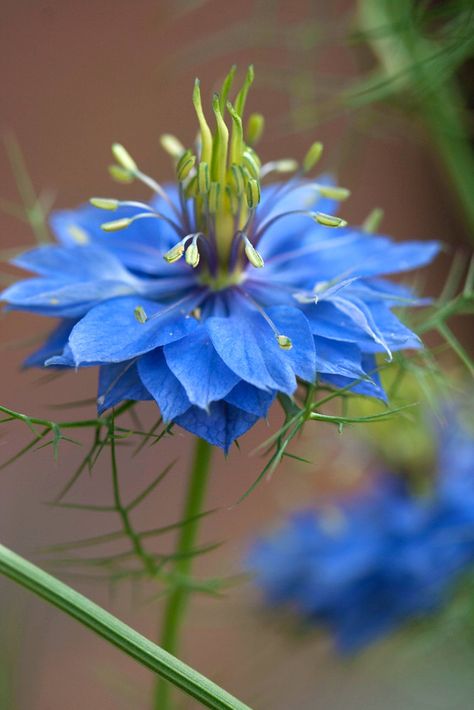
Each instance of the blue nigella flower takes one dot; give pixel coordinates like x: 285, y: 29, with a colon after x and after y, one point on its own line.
x: 363, y: 567
x: 272, y: 290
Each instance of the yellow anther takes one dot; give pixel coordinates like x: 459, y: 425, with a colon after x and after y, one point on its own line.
x: 172, y: 145
x: 79, y: 235
x: 333, y: 192
x: 140, y: 314
x: 185, y: 165
x: 192, y: 254
x: 214, y: 197
x: 284, y: 342
x: 253, y: 193
x: 123, y: 158
x: 116, y: 225
x: 120, y: 175
x: 329, y: 220
x: 104, y: 203
x: 203, y: 178
x: 255, y: 126
x: 254, y: 257
x: 174, y: 254
x: 312, y: 156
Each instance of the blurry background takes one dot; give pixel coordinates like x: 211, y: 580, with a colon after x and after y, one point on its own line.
x: 78, y: 76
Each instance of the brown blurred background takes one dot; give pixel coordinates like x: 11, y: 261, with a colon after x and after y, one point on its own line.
x: 76, y: 77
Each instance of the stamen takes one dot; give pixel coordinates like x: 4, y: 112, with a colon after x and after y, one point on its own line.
x: 286, y: 165
x: 140, y: 314
x: 251, y: 162
x: 372, y: 222
x: 125, y: 222
x: 238, y: 179
x: 329, y: 220
x: 253, y: 193
x: 203, y: 179
x: 176, y: 252
x: 130, y: 168
x: 312, y: 156
x: 192, y: 252
x: 120, y: 175
x: 251, y: 253
x: 324, y: 219
x: 214, y: 197
x: 123, y: 158
x: 283, y: 341
x: 333, y: 192
x: 104, y: 203
x: 185, y: 165
x: 255, y: 126
x: 172, y: 145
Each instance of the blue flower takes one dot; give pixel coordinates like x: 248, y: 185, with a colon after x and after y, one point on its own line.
x: 260, y: 287
x: 363, y: 567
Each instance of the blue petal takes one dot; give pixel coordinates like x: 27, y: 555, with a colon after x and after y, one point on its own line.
x: 140, y: 247
x: 52, y: 297
x: 54, y: 345
x: 338, y: 358
x: 221, y: 426
x: 200, y: 370
x: 118, y: 383
x: 247, y: 344
x: 163, y: 385
x: 250, y: 399
x: 76, y: 263
x: 111, y: 333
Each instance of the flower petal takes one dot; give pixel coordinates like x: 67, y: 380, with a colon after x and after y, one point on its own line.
x: 198, y: 367
x: 247, y: 344
x: 338, y: 358
x: 220, y: 426
x: 111, y: 333
x: 163, y: 385
x: 119, y: 382
x: 54, y: 345
x: 250, y: 399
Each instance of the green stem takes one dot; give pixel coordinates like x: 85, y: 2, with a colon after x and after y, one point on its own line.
x: 407, y: 59
x: 178, y: 598
x: 116, y: 632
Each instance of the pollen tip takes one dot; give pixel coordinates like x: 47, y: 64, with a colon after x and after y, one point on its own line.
x: 140, y: 314
x: 116, y: 225
x: 284, y: 342
x: 104, y: 203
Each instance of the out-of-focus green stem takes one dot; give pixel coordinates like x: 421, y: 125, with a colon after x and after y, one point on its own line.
x: 407, y: 59
x: 177, y: 601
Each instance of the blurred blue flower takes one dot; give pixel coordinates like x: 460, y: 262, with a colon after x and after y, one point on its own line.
x: 362, y: 567
x: 272, y: 288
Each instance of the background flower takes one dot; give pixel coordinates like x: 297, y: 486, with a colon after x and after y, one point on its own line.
x: 363, y: 566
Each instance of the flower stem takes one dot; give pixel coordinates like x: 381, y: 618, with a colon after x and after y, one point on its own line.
x: 177, y: 601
